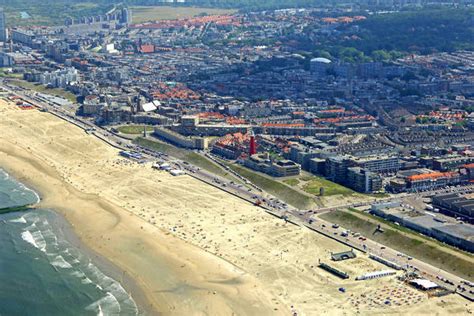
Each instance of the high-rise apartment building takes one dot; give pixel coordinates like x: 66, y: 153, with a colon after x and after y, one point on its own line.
x: 3, y: 26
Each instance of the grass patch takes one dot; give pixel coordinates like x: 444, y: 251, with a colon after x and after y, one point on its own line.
x: 314, y: 184
x: 399, y: 238
x: 145, y: 14
x: 206, y: 164
x: 43, y: 89
x: 185, y: 155
x: 134, y: 129
x: 292, y: 182
x: 154, y: 145
x: 275, y: 188
x: 5, y: 74
x: 404, y: 229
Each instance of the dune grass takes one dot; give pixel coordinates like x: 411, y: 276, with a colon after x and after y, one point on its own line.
x: 134, y: 129
x: 276, y: 188
x: 406, y: 241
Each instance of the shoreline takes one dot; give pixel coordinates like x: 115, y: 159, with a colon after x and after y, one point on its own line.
x: 105, y: 265
x: 191, y: 248
x: 174, y: 276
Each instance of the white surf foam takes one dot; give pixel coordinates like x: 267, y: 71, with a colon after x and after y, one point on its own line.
x: 86, y: 281
x: 28, y: 237
x: 59, y: 262
x: 39, y: 240
x: 50, y: 236
x: 78, y: 274
x: 21, y: 220
x: 24, y: 187
x: 107, y: 305
x: 41, y: 236
x: 113, y: 287
x: 4, y: 174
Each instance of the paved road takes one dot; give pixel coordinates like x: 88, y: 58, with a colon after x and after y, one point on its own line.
x: 268, y: 202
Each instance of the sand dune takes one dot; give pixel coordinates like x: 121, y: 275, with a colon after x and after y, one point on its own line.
x: 193, y: 249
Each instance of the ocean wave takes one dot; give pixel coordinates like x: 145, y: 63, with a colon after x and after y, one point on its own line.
x: 107, y: 305
x: 39, y: 231
x: 81, y: 275
x: 114, y: 287
x: 63, y: 256
x: 91, y: 274
x: 39, y: 240
x: 31, y: 226
x: 86, y: 280
x: 34, y: 238
x: 4, y: 174
x: 24, y: 187
x: 28, y: 237
x: 20, y: 220
x: 78, y: 274
x: 20, y: 186
x: 50, y: 236
x: 59, y: 262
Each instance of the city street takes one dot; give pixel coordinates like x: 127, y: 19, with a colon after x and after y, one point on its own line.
x: 266, y: 201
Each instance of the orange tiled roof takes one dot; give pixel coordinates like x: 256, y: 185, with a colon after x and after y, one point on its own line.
x: 430, y: 176
x: 282, y: 125
x: 214, y: 115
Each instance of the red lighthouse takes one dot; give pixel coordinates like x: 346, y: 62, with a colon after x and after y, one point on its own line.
x: 253, y: 144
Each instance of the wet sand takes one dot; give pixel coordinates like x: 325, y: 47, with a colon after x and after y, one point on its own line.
x: 174, y: 276
x: 105, y: 265
x: 134, y: 246
x: 191, y: 248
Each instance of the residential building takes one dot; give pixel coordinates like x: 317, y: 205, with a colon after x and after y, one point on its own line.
x: 363, y: 180
x: 180, y: 140
x: 3, y: 27
x: 431, y: 181
x: 379, y: 164
x: 278, y: 168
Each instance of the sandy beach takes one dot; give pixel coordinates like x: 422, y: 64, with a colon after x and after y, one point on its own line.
x: 190, y: 248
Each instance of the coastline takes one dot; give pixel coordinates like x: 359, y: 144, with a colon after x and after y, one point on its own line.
x: 174, y: 277
x: 191, y: 248
x: 105, y: 265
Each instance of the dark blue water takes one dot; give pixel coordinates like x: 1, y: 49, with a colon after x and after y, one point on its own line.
x: 42, y: 272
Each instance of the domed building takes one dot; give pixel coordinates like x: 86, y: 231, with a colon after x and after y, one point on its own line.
x: 319, y: 66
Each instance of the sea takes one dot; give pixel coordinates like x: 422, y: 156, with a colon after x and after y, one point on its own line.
x: 43, y: 271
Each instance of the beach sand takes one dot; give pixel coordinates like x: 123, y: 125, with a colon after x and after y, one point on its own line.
x: 191, y: 248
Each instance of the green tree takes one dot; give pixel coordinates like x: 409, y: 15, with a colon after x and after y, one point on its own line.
x: 381, y: 55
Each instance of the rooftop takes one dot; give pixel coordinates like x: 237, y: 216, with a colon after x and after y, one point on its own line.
x: 343, y: 255
x: 425, y: 284
x: 464, y: 231
x: 431, y: 176
x: 427, y: 221
x: 321, y: 60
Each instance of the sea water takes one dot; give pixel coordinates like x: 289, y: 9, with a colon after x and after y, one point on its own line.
x: 42, y: 272
x: 14, y: 193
